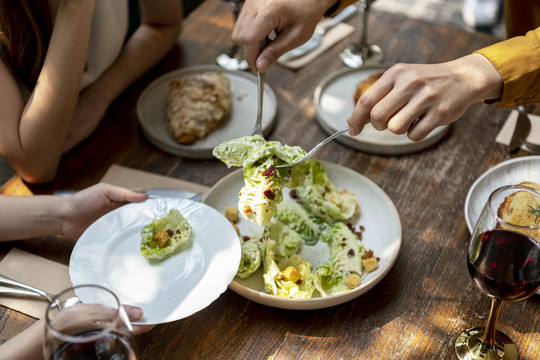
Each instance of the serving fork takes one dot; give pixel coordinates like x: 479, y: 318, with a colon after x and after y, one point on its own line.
x: 316, y: 148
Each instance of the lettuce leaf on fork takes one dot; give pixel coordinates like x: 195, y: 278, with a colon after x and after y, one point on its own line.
x: 263, y: 183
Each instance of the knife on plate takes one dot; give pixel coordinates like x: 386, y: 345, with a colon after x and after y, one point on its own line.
x: 153, y: 193
x: 175, y: 193
x: 521, y: 131
x: 317, y: 37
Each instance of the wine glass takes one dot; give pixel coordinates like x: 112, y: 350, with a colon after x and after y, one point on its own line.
x: 87, y: 322
x: 358, y: 55
x: 504, y: 262
x: 232, y: 57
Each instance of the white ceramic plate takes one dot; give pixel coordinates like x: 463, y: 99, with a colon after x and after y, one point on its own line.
x: 334, y: 103
x: 377, y: 214
x: 240, y: 122
x: 509, y: 172
x: 108, y: 254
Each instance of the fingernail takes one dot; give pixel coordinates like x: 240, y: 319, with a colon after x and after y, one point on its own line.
x: 135, y: 313
x: 264, y: 64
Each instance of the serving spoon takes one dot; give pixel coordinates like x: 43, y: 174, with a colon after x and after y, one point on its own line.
x: 316, y: 148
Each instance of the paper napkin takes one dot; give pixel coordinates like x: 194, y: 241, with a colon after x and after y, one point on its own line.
x: 36, y: 271
x: 505, y: 134
x: 332, y: 37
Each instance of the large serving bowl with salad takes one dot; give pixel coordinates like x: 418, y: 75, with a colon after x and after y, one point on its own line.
x: 319, y: 263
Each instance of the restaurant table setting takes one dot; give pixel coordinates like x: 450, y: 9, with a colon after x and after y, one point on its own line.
x: 418, y: 206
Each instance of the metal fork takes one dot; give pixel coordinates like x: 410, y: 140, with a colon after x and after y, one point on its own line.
x: 316, y: 148
x: 257, y: 130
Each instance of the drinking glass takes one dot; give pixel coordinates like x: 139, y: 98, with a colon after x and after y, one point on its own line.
x: 358, y: 55
x: 87, y: 322
x: 232, y: 57
x: 504, y: 262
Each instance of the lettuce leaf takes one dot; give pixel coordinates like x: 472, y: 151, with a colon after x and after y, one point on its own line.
x: 344, y: 263
x: 300, y: 220
x: 263, y: 183
x: 321, y: 197
x: 177, y: 228
x: 251, y: 258
x: 275, y: 279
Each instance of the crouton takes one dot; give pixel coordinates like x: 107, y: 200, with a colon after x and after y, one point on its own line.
x: 161, y: 238
x: 231, y: 213
x: 352, y: 281
x: 370, y: 264
x: 291, y: 274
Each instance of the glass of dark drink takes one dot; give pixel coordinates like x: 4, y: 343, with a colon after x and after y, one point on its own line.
x: 504, y: 262
x: 87, y: 322
x: 232, y: 57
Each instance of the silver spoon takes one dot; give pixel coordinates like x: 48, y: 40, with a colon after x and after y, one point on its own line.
x: 316, y: 148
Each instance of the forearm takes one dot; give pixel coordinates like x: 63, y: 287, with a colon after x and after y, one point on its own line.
x: 30, y: 216
x: 27, y: 345
x: 47, y: 115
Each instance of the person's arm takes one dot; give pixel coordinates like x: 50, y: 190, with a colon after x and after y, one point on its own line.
x: 518, y: 61
x: 28, y: 345
x: 415, y: 99
x: 32, y: 134
x: 30, y: 216
x: 292, y: 21
x: 158, y: 32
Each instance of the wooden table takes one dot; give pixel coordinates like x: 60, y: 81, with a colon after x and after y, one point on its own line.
x: 425, y: 300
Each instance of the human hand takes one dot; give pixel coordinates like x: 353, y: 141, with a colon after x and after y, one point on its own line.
x: 88, y: 205
x: 292, y: 21
x: 415, y: 99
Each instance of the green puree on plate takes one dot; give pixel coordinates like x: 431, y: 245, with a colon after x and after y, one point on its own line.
x: 164, y: 235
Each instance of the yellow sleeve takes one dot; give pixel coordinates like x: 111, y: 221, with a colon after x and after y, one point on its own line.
x: 340, y: 5
x: 518, y: 62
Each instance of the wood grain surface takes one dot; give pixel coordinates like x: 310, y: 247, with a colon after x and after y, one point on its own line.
x: 425, y: 300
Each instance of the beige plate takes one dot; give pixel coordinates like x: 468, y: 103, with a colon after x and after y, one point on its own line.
x: 334, y: 104
x: 151, y: 112
x: 378, y: 215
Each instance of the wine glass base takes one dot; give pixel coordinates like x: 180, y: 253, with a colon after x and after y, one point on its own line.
x: 232, y: 59
x: 354, y: 57
x: 469, y: 347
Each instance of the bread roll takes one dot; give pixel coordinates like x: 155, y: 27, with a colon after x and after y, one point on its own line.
x: 196, y: 105
x: 522, y: 209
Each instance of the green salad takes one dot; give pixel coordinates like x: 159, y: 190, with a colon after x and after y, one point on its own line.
x: 164, y: 235
x: 320, y: 212
x: 263, y: 183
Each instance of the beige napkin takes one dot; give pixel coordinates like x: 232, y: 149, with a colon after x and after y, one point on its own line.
x: 54, y: 277
x: 505, y: 134
x: 36, y: 271
x: 141, y: 180
x: 332, y: 37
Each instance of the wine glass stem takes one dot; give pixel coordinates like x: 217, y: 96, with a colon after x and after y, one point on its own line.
x: 365, y: 16
x: 489, y: 332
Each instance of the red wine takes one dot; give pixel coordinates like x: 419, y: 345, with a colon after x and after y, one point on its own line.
x: 110, y: 346
x: 505, y: 264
